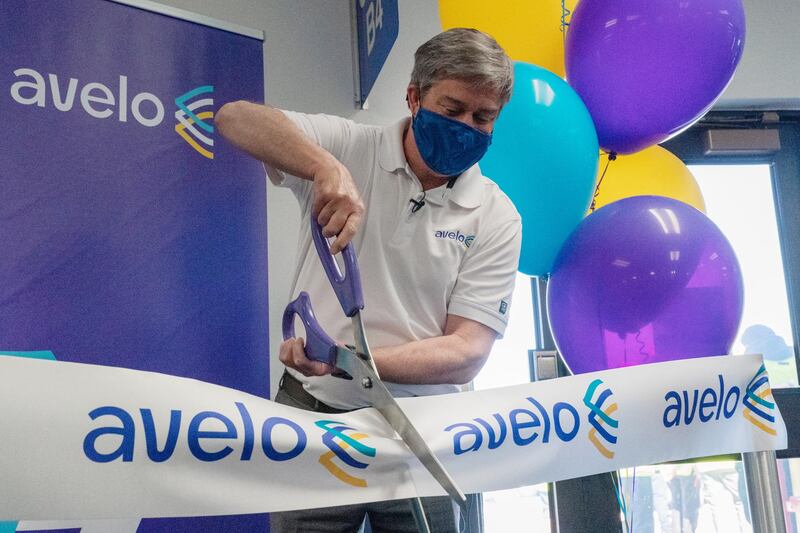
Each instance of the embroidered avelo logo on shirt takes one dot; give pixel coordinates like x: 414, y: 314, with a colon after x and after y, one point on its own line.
x: 456, y: 235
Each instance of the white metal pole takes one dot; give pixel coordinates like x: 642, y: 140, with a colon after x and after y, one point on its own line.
x: 764, y: 492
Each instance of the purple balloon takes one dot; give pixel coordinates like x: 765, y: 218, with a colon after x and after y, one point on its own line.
x: 648, y: 69
x: 643, y: 280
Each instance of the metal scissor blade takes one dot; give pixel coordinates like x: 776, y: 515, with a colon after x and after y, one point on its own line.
x: 382, y: 400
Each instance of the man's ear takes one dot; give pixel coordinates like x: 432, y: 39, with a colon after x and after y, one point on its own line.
x: 412, y: 98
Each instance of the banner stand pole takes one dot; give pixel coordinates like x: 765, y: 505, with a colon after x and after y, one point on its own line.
x: 764, y: 492
x: 581, y: 504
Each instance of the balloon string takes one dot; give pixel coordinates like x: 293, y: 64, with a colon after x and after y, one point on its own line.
x: 633, y: 495
x: 564, y: 23
x: 564, y: 14
x: 616, y: 482
x: 642, y: 345
x: 611, y: 157
x: 625, y: 351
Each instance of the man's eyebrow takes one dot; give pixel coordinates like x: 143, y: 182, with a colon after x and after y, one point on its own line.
x: 488, y: 111
x: 451, y: 100
x: 456, y: 101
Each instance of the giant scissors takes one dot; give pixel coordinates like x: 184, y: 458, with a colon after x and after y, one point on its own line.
x: 357, y: 364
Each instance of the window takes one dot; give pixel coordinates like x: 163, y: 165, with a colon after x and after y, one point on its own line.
x: 740, y: 201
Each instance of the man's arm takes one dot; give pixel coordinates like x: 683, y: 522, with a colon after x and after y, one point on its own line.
x: 455, y: 357
x: 268, y: 135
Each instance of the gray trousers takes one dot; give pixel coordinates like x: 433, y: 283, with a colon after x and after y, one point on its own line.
x: 384, y: 517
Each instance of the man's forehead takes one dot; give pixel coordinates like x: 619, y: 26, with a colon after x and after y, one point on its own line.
x: 461, y: 85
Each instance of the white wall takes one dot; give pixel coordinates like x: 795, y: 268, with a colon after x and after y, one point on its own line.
x: 769, y: 73
x: 308, y: 67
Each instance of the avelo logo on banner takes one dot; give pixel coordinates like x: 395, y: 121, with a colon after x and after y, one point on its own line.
x: 100, y: 101
x: 710, y: 404
x: 334, y: 430
x: 200, y: 439
x: 756, y: 404
x: 528, y: 425
x: 188, y: 119
x: 604, y: 415
x: 168, y: 433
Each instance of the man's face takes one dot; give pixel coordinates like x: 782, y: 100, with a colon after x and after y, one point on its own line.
x: 458, y: 100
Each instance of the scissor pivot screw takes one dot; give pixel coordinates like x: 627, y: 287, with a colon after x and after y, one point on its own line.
x: 366, y: 383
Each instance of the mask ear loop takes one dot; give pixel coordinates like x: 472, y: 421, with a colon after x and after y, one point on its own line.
x: 413, y: 115
x: 408, y: 103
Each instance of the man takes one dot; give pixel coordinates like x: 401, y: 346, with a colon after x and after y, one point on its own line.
x: 437, y: 243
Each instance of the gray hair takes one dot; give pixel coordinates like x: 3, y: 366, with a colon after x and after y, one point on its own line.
x: 464, y: 54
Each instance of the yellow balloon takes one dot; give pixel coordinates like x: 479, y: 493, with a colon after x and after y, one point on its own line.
x: 528, y: 30
x: 653, y: 171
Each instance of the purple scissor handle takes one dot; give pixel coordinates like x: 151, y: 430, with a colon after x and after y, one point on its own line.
x: 319, y: 345
x: 347, y: 286
x: 356, y: 363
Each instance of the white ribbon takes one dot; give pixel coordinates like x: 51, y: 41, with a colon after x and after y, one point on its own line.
x: 92, y: 442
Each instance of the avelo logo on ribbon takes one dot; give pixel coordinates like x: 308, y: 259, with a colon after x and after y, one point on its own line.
x: 757, y: 409
x: 190, y: 122
x: 207, y: 427
x: 535, y: 422
x: 704, y: 405
x: 336, y: 430
x: 247, y: 447
x: 599, y: 416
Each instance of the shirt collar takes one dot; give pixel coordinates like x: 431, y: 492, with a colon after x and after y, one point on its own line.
x: 467, y: 191
x: 391, y: 155
x: 468, y: 188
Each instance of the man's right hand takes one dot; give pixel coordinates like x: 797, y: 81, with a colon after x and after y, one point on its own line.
x: 268, y: 135
x: 336, y: 204
x: 292, y: 354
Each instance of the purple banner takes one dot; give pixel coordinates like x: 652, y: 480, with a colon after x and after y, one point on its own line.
x: 132, y: 235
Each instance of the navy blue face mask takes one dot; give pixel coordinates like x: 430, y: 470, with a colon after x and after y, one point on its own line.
x: 447, y: 146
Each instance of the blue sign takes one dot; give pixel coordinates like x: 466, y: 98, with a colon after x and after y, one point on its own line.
x: 377, y: 24
x: 132, y: 235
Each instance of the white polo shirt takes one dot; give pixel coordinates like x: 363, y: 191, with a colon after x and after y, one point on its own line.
x: 456, y: 255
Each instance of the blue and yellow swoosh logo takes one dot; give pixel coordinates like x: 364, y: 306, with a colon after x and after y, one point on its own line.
x: 338, y: 442
x: 603, y: 424
x: 195, y: 124
x: 759, y: 405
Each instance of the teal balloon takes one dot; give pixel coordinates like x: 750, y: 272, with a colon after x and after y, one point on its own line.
x: 544, y: 156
